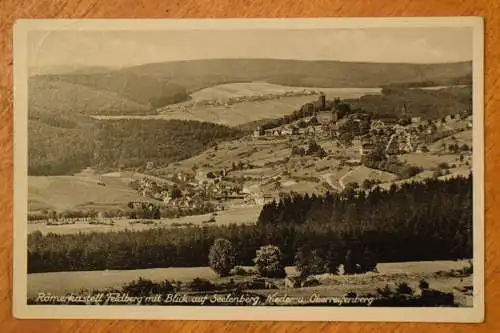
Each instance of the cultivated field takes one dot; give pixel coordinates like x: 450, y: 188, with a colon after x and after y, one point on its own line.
x: 232, y: 115
x: 331, y: 285
x: 245, y: 111
x: 242, y: 89
x: 224, y: 91
x: 85, y: 190
x: 68, y: 192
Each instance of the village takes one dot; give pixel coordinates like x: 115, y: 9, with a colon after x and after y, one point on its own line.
x: 397, y: 134
x: 208, y: 188
x: 324, y: 146
x: 231, y: 100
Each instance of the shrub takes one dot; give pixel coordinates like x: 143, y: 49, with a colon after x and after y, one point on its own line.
x: 309, y: 262
x: 443, y: 165
x: 143, y: 287
x: 199, y: 284
x: 269, y: 262
x: 404, y: 288
x: 351, y: 294
x: 368, y: 261
x: 333, y: 261
x: 221, y: 257
x: 469, y: 270
x: 256, y: 284
x: 386, y: 292
x: 432, y: 297
x: 436, y: 174
x: 423, y: 284
x: 310, y: 283
x: 238, y: 270
x: 356, y: 262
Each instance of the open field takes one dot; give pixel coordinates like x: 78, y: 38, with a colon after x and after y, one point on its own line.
x: 67, y: 192
x: 232, y: 115
x: 245, y: 111
x: 430, y: 161
x: 332, y: 285
x: 242, y: 89
x: 237, y: 215
x: 461, y: 138
x: 84, y: 190
x: 360, y: 173
x: 248, y: 89
x: 74, y: 281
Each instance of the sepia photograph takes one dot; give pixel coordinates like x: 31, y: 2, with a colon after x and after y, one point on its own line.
x: 244, y: 169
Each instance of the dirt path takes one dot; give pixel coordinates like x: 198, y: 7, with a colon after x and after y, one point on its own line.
x: 347, y: 174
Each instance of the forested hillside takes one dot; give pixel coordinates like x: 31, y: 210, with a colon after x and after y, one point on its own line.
x: 54, y: 95
x: 149, y: 91
x: 420, y: 221
x: 132, y: 143
x: 58, y: 150
x: 65, y: 149
x: 199, y: 74
x: 428, y: 104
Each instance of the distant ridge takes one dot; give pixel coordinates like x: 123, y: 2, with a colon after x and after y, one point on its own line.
x: 321, y: 73
x: 144, y: 88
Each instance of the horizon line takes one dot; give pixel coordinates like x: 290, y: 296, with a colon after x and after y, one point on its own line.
x: 250, y: 59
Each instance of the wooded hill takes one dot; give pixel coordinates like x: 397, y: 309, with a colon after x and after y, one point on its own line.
x: 62, y: 139
x: 142, y: 89
x: 197, y: 74
x: 55, y: 150
x: 428, y: 104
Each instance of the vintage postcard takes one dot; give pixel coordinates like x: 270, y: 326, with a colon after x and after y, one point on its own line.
x: 276, y: 169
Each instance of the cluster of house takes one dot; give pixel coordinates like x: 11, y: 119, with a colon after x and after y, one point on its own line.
x: 193, y: 190
x: 397, y: 138
x: 326, y: 118
x: 397, y: 135
x: 227, y: 101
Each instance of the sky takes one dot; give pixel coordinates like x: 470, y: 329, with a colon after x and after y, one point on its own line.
x: 129, y: 48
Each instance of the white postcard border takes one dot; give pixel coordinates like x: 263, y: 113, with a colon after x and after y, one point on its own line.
x: 474, y: 314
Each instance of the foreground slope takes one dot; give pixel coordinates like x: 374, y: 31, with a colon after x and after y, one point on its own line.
x: 71, y: 192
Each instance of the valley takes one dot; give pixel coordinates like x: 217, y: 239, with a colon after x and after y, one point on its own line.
x: 231, y: 181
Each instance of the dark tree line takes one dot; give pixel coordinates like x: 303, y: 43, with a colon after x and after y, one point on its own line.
x: 388, y: 225
x: 419, y: 221
x: 428, y: 104
x: 148, y: 211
